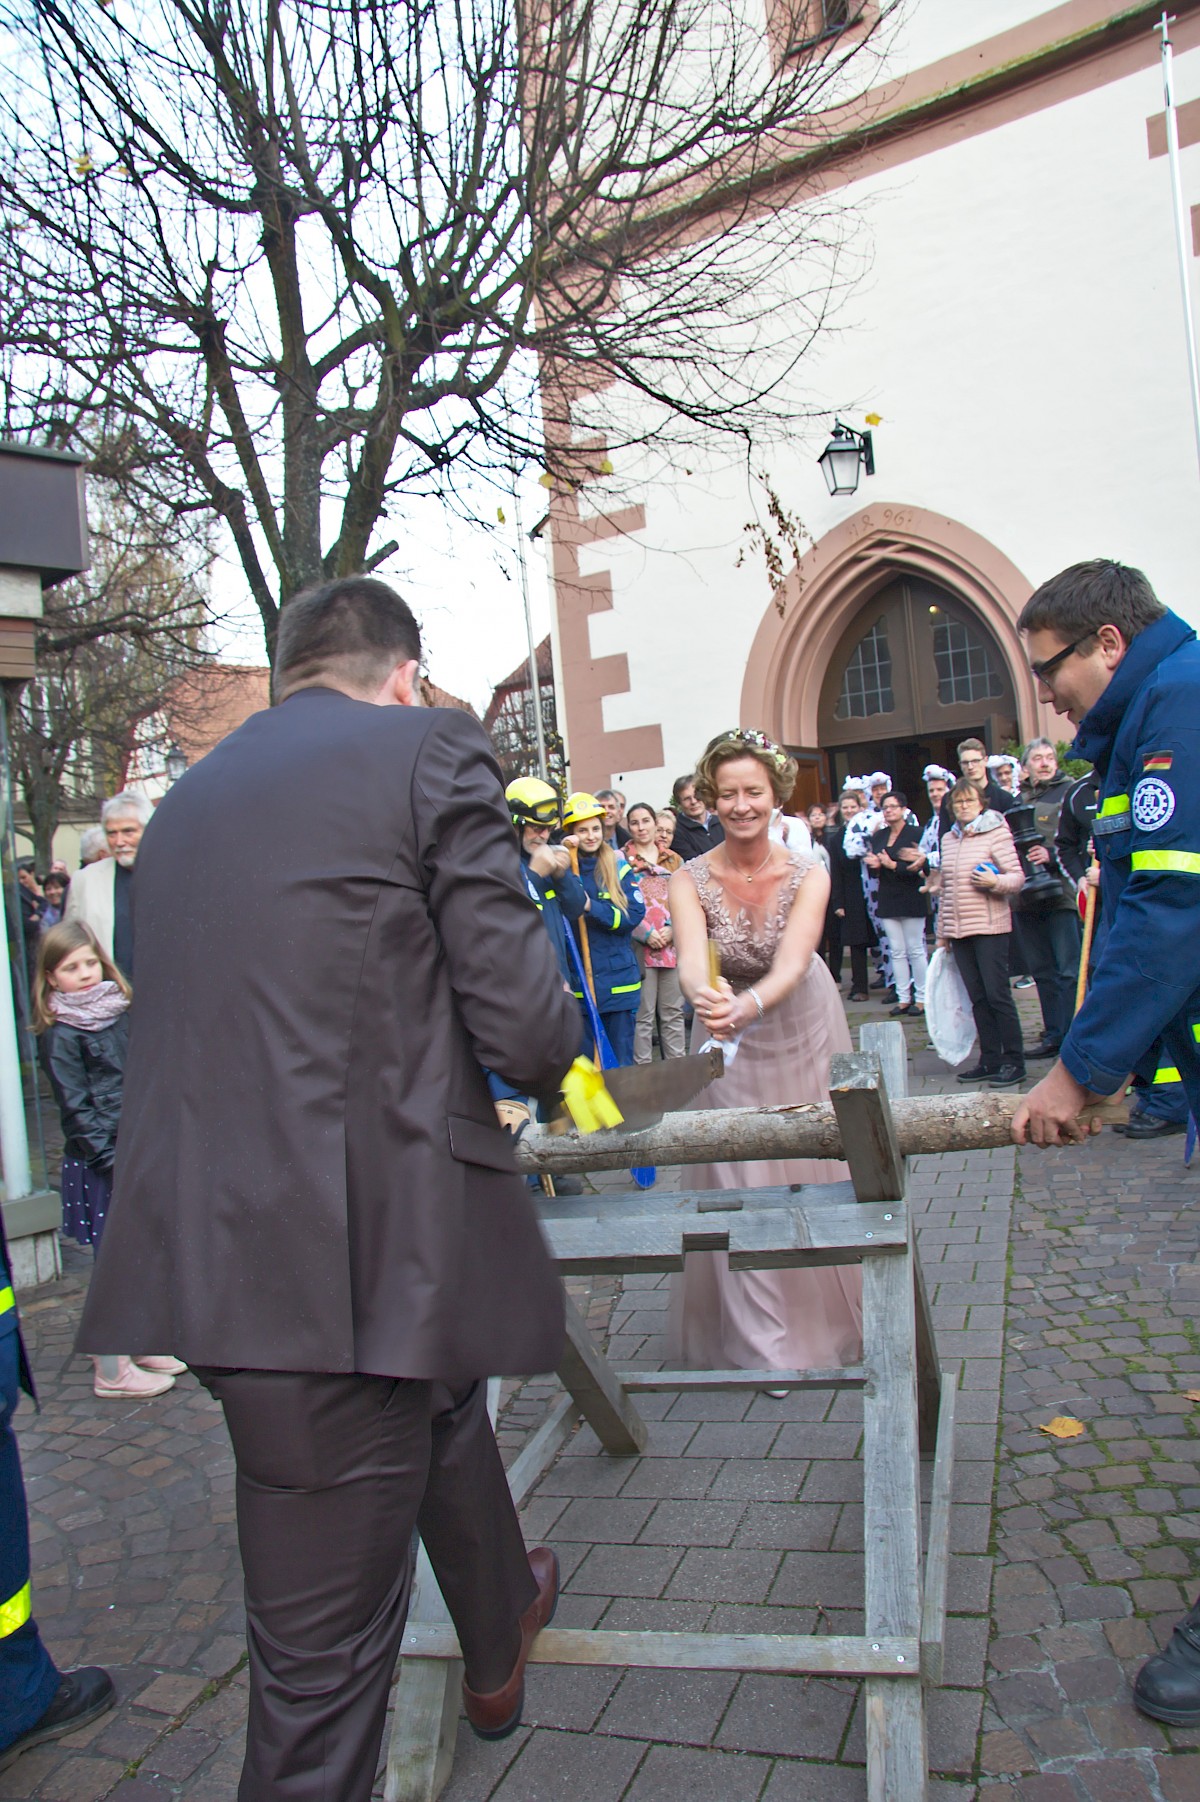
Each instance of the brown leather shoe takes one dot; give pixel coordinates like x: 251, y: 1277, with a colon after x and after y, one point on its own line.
x: 497, y: 1713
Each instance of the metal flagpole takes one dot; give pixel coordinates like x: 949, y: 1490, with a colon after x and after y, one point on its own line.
x: 1181, y: 233
x: 534, y: 677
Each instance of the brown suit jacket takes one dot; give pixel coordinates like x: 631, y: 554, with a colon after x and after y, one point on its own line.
x: 333, y: 937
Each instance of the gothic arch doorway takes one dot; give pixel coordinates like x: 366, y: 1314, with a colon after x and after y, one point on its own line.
x: 810, y: 632
x: 914, y: 671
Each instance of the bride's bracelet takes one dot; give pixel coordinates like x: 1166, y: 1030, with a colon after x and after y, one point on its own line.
x: 757, y: 1000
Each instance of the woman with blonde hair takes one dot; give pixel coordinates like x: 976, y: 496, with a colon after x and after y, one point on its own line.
x: 614, y: 907
x: 763, y: 908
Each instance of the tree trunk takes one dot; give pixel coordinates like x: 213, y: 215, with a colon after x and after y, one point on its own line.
x: 980, y: 1121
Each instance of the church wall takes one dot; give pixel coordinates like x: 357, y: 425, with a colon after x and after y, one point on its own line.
x: 1018, y: 330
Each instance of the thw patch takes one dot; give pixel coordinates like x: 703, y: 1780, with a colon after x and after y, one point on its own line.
x: 1153, y: 804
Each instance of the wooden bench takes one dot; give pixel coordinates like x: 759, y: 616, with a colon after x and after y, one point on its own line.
x: 908, y: 1410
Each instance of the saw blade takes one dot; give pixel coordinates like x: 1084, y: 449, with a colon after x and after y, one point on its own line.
x: 645, y: 1092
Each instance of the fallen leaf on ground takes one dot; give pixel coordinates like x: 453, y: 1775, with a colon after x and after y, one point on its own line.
x: 1193, y: 1395
x: 1062, y: 1427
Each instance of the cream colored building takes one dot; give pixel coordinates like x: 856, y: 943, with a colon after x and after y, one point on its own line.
x: 1019, y: 333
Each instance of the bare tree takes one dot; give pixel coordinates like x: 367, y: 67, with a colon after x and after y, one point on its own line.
x: 285, y: 264
x: 111, y: 648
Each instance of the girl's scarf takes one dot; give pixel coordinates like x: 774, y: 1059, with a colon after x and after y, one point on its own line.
x: 91, y: 1010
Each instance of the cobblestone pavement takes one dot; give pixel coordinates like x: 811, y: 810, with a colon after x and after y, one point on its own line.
x: 1092, y: 1541
x: 1096, y: 1538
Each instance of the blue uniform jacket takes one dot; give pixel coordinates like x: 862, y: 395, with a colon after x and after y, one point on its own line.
x: 556, y: 898
x: 614, y: 966
x: 1143, y: 735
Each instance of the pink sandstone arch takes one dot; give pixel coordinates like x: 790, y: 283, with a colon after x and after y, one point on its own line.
x: 781, y: 690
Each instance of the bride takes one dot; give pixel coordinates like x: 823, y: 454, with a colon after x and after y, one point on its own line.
x: 763, y: 907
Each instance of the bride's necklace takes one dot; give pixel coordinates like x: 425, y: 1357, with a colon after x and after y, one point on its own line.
x: 742, y: 876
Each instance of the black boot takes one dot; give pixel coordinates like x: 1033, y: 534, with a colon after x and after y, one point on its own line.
x: 1168, y: 1685
x: 82, y: 1695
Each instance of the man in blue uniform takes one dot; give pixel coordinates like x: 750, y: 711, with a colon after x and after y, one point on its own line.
x: 37, y: 1701
x: 1126, y: 672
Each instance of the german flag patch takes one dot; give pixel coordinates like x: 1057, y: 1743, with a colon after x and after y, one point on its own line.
x: 1157, y: 760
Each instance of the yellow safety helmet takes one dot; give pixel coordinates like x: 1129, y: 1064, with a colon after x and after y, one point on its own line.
x: 532, y: 802
x: 582, y: 806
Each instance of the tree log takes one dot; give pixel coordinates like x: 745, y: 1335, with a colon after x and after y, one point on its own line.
x: 979, y: 1121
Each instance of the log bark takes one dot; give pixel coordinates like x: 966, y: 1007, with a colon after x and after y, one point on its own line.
x: 979, y: 1121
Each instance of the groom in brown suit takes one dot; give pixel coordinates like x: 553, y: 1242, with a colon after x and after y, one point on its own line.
x: 314, y: 1204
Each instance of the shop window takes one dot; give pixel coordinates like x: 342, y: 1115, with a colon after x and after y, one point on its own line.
x: 867, y: 682
x: 966, y: 670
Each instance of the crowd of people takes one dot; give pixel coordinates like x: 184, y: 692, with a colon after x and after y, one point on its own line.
x: 317, y: 1207
x: 898, y: 888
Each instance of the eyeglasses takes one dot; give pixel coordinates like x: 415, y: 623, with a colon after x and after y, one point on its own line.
x: 1044, y: 671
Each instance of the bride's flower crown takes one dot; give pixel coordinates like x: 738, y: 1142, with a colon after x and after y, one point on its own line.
x: 749, y: 735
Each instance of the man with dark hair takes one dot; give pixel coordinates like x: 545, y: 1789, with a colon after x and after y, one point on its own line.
x: 352, y: 628
x: 1126, y: 672
x: 318, y: 1207
x: 972, y: 761
x: 696, y: 830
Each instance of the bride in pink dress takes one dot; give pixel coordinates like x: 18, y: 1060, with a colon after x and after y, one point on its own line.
x: 764, y: 908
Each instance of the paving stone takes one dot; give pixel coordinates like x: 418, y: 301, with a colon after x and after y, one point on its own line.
x: 681, y: 1706
x: 788, y: 1715
x: 698, y: 1776
x: 596, y: 1767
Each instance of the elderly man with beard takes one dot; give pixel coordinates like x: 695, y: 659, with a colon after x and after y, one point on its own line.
x: 102, y: 893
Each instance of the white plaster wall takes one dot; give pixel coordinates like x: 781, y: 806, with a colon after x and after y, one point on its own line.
x: 924, y: 31
x: 1021, y: 333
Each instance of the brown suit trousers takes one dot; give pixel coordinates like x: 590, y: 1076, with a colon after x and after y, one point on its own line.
x: 333, y: 1474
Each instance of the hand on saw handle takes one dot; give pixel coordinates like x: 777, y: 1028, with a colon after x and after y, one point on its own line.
x: 721, y: 1010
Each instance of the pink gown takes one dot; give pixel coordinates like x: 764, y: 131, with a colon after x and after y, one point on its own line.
x: 767, y: 1319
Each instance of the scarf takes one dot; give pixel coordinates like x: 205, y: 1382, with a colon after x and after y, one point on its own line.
x: 91, y: 1010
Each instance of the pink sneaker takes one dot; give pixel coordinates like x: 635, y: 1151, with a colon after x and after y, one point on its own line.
x: 167, y: 1367
x: 119, y: 1379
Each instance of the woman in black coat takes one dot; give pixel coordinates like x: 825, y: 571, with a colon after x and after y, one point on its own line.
x: 901, y: 904
x: 848, y: 895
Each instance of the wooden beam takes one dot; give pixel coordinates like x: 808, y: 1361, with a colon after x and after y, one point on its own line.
x: 823, y: 1655
x: 542, y: 1447
x: 688, y: 1382
x: 897, y: 1768
x: 428, y: 1701
x: 937, y: 1553
x: 860, y: 1102
x: 587, y: 1376
x: 775, y: 1239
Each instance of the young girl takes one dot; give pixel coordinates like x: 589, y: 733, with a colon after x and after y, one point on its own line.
x: 661, y: 1001
x: 80, y: 1008
x: 614, y: 907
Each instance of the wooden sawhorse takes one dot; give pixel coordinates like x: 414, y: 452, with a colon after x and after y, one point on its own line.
x: 908, y: 1409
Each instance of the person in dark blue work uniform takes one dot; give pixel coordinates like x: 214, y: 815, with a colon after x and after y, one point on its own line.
x: 554, y: 889
x: 1126, y: 672
x: 38, y: 1702
x: 1160, y: 1104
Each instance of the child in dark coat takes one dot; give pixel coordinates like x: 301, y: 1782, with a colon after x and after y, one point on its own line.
x: 80, y: 1008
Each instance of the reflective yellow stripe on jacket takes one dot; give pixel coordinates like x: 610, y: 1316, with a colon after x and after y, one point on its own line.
x: 7, y: 1300
x: 1167, y: 1073
x: 1115, y: 804
x: 1177, y: 863
x: 15, y: 1612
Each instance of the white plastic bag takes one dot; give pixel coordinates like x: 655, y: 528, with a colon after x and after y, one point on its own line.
x: 948, y: 1013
